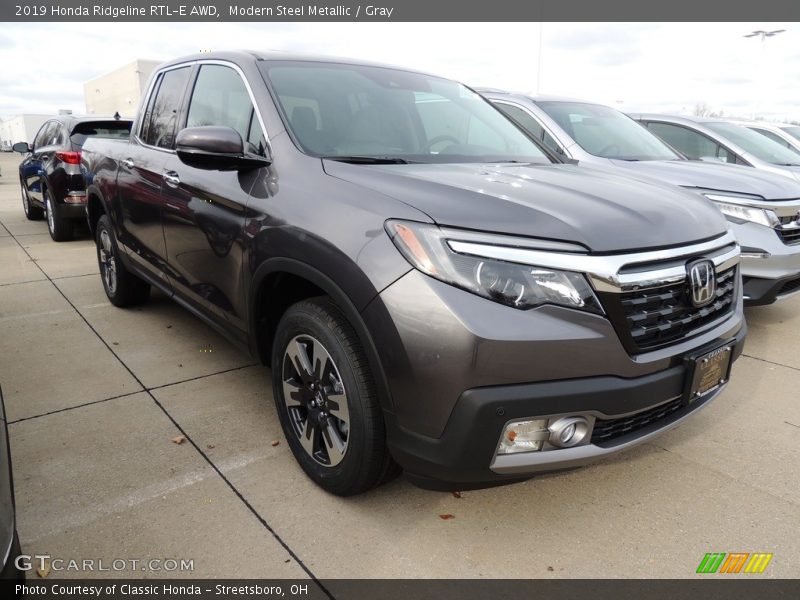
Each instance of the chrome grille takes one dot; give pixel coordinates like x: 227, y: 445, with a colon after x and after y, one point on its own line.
x: 790, y: 287
x: 789, y: 230
x: 655, y: 317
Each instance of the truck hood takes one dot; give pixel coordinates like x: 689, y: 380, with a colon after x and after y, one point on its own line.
x: 718, y: 177
x: 602, y: 211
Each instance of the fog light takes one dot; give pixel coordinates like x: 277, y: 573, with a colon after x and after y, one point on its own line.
x: 569, y: 431
x: 523, y: 436
x: 566, y: 434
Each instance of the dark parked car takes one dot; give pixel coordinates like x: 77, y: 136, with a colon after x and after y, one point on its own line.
x: 9, y: 540
x: 430, y: 286
x: 50, y: 176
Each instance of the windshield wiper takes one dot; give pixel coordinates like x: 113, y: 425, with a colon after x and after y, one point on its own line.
x: 371, y: 160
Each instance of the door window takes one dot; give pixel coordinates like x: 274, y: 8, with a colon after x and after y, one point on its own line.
x: 221, y: 98
x: 775, y: 138
x: 691, y: 143
x: 160, y: 118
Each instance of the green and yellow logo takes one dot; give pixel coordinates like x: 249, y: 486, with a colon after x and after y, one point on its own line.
x: 734, y: 562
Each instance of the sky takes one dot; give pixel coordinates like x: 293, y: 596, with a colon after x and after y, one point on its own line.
x: 663, y: 67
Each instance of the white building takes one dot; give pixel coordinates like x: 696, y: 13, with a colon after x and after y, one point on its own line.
x: 20, y: 128
x: 118, y: 91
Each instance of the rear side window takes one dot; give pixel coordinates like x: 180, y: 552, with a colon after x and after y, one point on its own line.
x: 220, y: 98
x: 59, y: 136
x: 692, y: 144
x: 51, y: 134
x: 102, y: 129
x: 41, y: 136
x: 161, y: 116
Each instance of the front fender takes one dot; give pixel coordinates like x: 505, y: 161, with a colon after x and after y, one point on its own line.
x: 337, y: 294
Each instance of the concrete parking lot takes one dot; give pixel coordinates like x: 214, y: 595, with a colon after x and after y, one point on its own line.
x: 95, y: 396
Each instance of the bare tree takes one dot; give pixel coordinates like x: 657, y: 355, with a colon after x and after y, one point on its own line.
x: 701, y: 109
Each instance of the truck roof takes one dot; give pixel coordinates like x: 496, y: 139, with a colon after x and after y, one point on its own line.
x: 238, y: 56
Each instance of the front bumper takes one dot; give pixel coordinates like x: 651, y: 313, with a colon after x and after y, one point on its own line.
x: 769, y: 267
x: 460, y: 367
x: 760, y: 292
x: 464, y: 456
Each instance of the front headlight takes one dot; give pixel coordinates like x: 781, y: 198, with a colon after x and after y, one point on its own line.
x: 521, y: 286
x: 742, y: 212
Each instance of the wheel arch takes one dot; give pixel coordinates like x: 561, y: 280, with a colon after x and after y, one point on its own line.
x: 294, y: 281
x: 95, y: 208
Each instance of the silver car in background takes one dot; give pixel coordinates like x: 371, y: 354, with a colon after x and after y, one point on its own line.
x: 781, y: 133
x: 715, y: 139
x: 763, y: 208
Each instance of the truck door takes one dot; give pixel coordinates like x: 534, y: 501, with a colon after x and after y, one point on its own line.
x: 140, y: 178
x: 205, y: 210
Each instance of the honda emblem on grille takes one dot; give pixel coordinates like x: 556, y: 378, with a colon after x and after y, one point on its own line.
x: 702, y: 282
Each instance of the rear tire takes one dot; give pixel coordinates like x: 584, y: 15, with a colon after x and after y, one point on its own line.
x: 32, y: 213
x: 323, y: 387
x: 60, y: 228
x: 122, y: 287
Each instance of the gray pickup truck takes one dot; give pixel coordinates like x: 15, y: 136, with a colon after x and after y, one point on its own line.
x: 432, y: 288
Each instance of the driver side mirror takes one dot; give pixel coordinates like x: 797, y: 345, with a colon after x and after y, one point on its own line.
x: 22, y: 147
x: 215, y: 148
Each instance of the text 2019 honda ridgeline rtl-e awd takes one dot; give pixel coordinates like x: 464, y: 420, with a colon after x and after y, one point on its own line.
x: 430, y: 287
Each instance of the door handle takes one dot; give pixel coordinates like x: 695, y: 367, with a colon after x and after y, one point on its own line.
x: 171, y: 178
x: 127, y: 163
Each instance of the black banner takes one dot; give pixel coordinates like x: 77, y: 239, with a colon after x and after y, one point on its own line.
x: 715, y: 587
x: 397, y: 10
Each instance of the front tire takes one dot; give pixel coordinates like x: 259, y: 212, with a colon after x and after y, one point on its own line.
x: 32, y: 213
x: 326, y: 399
x: 60, y: 228
x: 122, y: 287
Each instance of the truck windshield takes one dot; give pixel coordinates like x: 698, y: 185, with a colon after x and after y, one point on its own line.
x: 103, y: 129
x: 756, y: 144
x: 605, y: 132
x: 361, y: 113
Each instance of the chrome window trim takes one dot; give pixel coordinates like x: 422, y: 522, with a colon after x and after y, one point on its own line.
x: 604, y: 272
x: 210, y: 61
